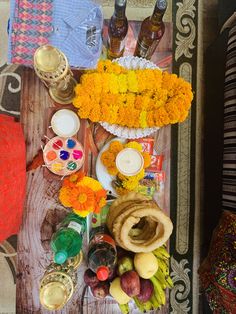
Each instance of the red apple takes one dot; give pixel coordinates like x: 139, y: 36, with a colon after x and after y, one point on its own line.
x: 130, y: 283
x: 146, y: 290
x: 101, y: 290
x: 90, y: 278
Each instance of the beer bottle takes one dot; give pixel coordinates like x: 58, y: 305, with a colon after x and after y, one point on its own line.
x: 151, y: 32
x: 117, y: 31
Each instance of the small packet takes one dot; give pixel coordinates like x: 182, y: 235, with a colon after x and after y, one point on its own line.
x: 156, y: 163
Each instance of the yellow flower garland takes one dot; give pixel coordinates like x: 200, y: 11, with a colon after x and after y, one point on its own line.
x: 133, y: 98
x: 108, y: 159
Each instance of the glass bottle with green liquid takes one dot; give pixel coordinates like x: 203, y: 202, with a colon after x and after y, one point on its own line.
x: 67, y: 241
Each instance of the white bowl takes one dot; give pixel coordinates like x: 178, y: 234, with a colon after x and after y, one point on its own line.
x: 65, y: 123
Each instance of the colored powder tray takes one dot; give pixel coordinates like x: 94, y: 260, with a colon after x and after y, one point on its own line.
x: 63, y: 156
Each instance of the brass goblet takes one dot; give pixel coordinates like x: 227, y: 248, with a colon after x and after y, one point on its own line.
x: 59, y: 283
x: 52, y: 67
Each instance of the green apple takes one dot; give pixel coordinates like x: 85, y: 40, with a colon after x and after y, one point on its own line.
x: 125, y: 264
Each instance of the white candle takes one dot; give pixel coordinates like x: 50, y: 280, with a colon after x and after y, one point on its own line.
x: 129, y: 162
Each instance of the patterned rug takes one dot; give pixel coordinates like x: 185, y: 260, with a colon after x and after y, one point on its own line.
x: 10, y: 86
x: 186, y: 152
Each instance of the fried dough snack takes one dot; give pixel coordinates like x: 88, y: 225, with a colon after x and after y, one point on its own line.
x: 138, y: 224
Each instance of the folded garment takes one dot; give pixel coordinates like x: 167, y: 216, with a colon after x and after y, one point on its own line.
x: 75, y: 27
x: 12, y: 176
x: 138, y: 224
x: 218, y: 270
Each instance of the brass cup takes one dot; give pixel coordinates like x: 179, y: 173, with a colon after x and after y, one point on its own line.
x: 56, y: 289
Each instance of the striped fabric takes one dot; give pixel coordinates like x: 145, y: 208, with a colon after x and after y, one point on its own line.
x: 229, y: 149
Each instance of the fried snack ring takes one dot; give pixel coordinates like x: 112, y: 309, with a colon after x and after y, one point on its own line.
x: 119, y: 205
x: 132, y: 212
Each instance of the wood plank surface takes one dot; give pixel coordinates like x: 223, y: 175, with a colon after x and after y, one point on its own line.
x: 42, y: 210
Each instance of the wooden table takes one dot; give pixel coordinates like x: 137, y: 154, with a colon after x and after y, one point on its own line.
x: 43, y: 211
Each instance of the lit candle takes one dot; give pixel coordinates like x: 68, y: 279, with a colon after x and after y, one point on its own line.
x: 129, y: 162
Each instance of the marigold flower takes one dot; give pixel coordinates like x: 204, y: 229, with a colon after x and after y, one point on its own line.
x: 83, y: 194
x: 134, y: 145
x: 115, y: 147
x: 64, y: 196
x: 108, y: 158
x: 147, y: 159
x: 92, y: 183
x: 113, y: 171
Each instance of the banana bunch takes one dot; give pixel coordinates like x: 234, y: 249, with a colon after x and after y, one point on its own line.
x: 124, y: 308
x: 163, y: 272
x: 144, y: 307
x: 161, y: 280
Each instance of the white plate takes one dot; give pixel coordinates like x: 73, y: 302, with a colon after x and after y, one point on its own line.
x: 102, y: 175
x: 131, y: 62
x: 65, y: 123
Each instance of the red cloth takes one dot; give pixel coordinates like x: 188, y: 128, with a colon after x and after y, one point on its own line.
x: 12, y: 176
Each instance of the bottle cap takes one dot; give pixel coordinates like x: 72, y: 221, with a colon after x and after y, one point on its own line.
x: 102, y: 273
x: 161, y: 4
x: 60, y: 257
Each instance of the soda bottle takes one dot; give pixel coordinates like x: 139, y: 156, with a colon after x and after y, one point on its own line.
x: 67, y: 240
x: 102, y: 254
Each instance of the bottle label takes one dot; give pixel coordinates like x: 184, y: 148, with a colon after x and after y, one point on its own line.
x: 91, y: 36
x: 116, y: 46
x: 144, y: 50
x: 98, y: 238
x: 76, y: 226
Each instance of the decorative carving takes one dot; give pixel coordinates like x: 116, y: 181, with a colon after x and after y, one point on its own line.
x: 179, y: 294
x: 183, y: 185
x: 187, y: 30
x: 12, y: 90
x: 185, y: 71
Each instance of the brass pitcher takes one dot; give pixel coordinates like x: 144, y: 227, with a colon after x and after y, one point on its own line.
x: 58, y: 283
x: 52, y: 67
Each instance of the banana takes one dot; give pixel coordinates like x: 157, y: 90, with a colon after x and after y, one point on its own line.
x: 124, y: 308
x: 159, y: 292
x: 139, y: 304
x: 161, y: 253
x: 147, y: 306
x: 154, y: 301
x: 169, y: 282
x: 161, y: 277
x: 163, y: 266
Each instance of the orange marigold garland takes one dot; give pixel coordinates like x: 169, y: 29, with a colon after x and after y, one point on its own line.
x: 134, y: 98
x: 83, y: 194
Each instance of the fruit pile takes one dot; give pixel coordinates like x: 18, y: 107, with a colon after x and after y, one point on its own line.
x: 141, y: 277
